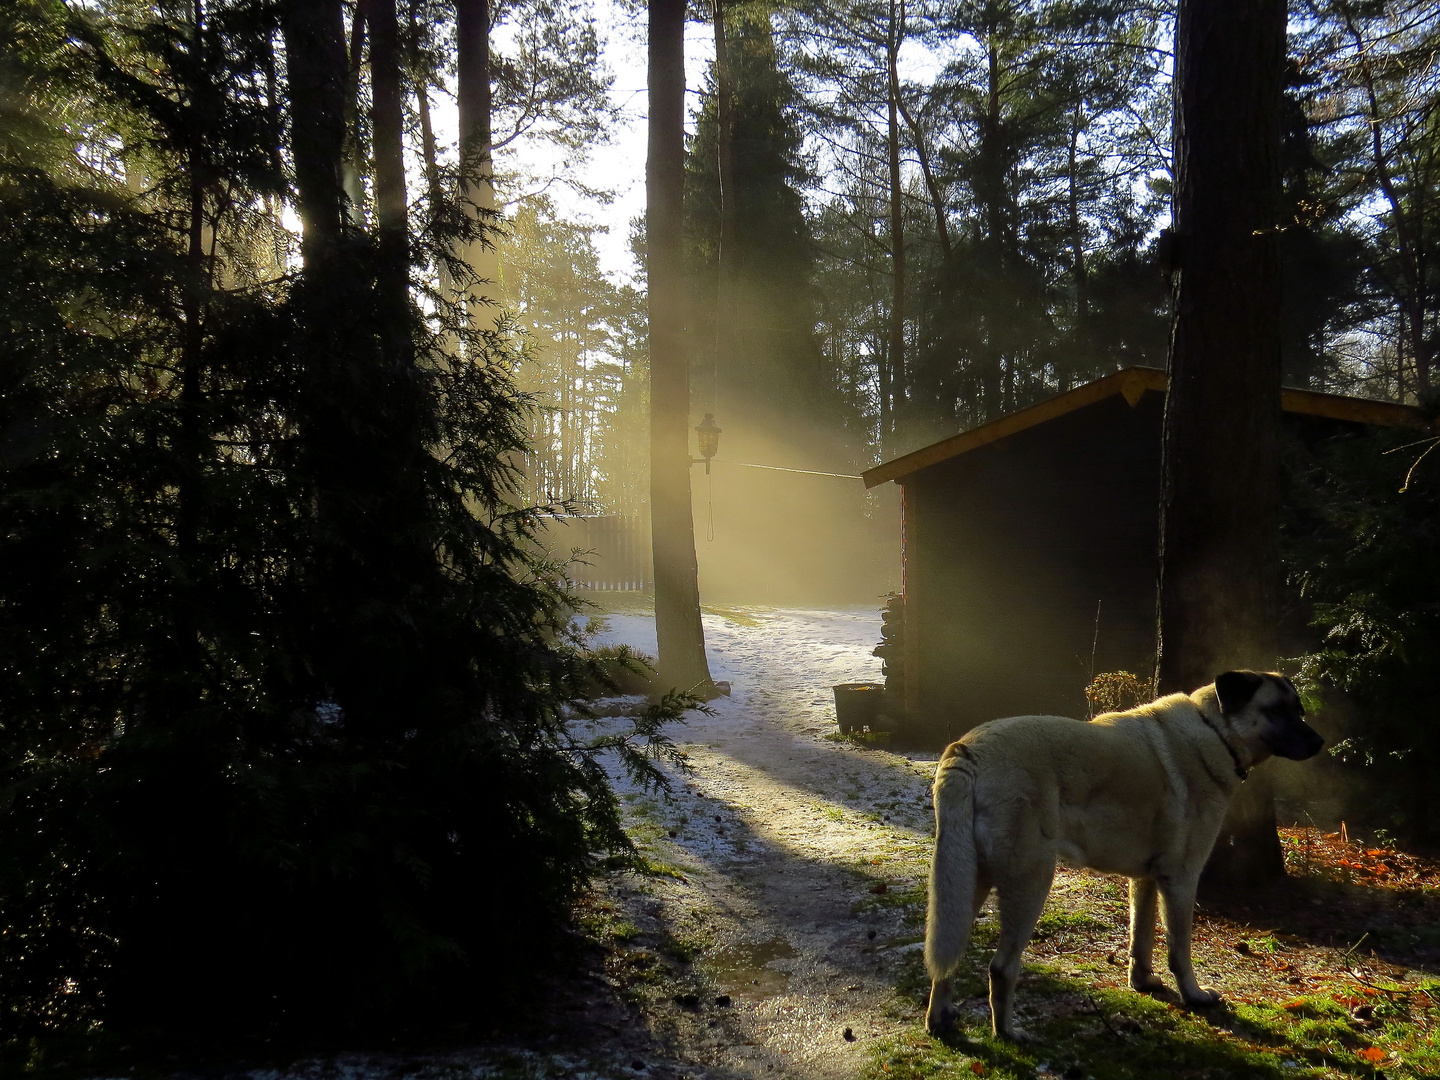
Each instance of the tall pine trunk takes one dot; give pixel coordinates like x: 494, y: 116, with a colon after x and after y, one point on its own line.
x: 473, y: 73
x: 1219, y: 548
x: 1080, y: 347
x: 680, y: 637
x: 317, y: 66
x: 387, y: 121
x: 897, y: 221
x: 725, y: 321
x: 352, y: 169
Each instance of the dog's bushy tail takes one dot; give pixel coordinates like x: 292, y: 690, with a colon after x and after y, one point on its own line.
x: 954, y: 869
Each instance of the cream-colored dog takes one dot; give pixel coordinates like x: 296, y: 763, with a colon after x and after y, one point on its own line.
x: 1140, y: 793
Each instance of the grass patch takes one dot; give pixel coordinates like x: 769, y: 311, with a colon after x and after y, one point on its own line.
x: 739, y: 618
x: 1080, y: 1029
x: 686, y: 945
x: 661, y: 868
x: 860, y: 738
x: 1086, y: 1024
x: 600, y: 604
x: 602, y: 923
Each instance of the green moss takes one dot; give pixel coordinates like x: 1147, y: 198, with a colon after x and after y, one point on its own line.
x: 1060, y: 921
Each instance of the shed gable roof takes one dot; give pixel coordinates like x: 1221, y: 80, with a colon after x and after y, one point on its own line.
x: 1132, y: 383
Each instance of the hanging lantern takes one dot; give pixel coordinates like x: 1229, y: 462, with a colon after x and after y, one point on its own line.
x: 709, y: 435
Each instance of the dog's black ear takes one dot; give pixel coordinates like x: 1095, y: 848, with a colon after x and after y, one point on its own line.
x: 1236, y: 688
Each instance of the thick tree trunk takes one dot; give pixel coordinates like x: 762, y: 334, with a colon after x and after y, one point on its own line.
x: 677, y: 594
x: 316, y: 62
x: 472, y: 21
x: 1219, y: 549
x: 387, y: 121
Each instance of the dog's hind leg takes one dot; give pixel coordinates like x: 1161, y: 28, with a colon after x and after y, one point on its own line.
x: 1177, y: 898
x: 1142, y: 935
x: 1021, y: 899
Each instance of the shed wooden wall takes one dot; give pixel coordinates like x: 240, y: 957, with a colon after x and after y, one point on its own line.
x: 1009, y: 547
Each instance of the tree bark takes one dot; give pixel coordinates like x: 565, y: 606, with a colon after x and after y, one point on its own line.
x: 680, y: 636
x: 897, y: 220
x: 316, y: 62
x: 725, y: 323
x: 472, y: 31
x: 1219, y: 513
x: 387, y: 121
x: 352, y: 168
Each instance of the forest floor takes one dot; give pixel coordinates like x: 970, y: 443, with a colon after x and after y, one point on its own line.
x: 778, y: 930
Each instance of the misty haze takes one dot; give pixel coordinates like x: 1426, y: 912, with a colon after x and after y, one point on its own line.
x: 579, y: 539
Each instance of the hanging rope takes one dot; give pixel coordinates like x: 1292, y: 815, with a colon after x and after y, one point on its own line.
x: 778, y: 468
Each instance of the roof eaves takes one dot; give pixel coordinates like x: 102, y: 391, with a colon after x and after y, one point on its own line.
x: 1133, y: 383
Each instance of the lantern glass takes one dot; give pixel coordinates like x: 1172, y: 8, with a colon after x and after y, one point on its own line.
x: 709, y: 435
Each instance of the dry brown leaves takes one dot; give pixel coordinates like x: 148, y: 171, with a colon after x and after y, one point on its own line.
x: 1335, y: 856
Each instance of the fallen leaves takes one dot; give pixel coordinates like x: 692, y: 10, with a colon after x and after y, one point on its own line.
x: 1333, y: 855
x: 1373, y: 1054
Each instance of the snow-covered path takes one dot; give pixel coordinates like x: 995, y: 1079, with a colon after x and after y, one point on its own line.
x: 783, y: 838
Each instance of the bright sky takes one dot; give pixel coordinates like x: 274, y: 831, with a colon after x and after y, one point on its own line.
x: 619, y: 166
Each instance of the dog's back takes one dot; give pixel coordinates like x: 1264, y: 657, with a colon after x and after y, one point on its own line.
x: 1101, y: 794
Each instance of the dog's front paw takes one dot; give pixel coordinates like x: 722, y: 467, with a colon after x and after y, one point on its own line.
x: 1015, y: 1034
x: 1145, y: 982
x: 1203, y: 997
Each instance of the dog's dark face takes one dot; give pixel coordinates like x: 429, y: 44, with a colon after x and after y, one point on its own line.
x: 1264, y: 708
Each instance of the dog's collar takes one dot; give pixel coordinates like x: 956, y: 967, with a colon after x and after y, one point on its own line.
x: 1241, y: 772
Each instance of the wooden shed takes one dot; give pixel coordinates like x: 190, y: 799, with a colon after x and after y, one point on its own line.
x: 1014, y: 534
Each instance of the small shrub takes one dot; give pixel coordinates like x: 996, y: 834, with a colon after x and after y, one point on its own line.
x: 1116, y: 691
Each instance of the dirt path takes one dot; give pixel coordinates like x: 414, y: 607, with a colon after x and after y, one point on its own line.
x: 781, y: 840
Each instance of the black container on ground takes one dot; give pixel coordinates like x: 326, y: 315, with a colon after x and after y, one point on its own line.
x: 857, y: 704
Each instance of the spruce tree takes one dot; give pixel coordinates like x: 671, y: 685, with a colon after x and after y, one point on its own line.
x: 283, y: 683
